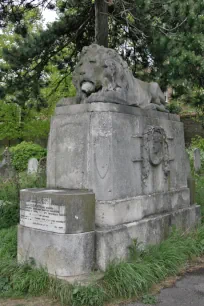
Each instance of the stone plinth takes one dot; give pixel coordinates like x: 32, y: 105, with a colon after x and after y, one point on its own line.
x: 113, y: 243
x: 109, y: 148
x: 57, y: 230
x: 115, y: 212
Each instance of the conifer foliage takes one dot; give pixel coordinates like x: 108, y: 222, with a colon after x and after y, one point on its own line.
x: 163, y: 38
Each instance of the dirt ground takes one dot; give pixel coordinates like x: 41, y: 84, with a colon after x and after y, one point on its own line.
x: 41, y: 301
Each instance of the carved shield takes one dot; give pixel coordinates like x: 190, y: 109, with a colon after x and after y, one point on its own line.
x: 156, y: 153
x: 102, y: 155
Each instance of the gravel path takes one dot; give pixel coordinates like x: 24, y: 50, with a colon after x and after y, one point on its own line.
x: 189, y: 291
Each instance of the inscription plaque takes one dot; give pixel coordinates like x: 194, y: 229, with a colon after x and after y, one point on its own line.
x: 62, y: 211
x: 43, y: 215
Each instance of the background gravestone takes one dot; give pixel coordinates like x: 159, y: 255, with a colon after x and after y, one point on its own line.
x: 197, y: 162
x: 6, y: 169
x: 32, y: 165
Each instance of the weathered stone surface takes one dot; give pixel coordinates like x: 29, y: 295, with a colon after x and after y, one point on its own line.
x: 58, y: 211
x: 185, y: 219
x: 66, y: 101
x: 197, y: 161
x: 100, y: 148
x: 111, y: 213
x: 102, y: 76
x: 113, y: 243
x: 61, y: 254
x: 32, y: 165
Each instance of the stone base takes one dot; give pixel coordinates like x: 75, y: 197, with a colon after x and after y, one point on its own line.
x: 112, y: 213
x: 113, y: 243
x: 61, y: 254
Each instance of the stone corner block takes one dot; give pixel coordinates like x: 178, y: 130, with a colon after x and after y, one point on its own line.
x: 62, y: 255
x: 60, y: 211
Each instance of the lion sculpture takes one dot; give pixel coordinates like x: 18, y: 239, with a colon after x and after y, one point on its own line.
x: 101, y: 75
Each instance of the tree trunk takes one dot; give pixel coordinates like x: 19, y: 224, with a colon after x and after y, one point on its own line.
x: 101, y: 22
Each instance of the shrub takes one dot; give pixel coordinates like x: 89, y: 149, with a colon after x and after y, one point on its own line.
x: 23, y: 152
x: 197, y: 142
x: 9, y: 203
x: 9, y: 214
x: 9, y: 191
x: 9, y: 196
x: 31, y: 180
x: 174, y: 108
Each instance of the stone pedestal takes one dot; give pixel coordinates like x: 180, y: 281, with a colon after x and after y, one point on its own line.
x: 57, y: 230
x: 117, y: 151
x: 134, y: 161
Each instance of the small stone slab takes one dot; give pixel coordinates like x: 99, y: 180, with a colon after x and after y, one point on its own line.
x: 197, y: 162
x: 32, y: 165
x: 58, y: 211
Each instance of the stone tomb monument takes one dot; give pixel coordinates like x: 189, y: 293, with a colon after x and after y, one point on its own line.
x: 116, y: 171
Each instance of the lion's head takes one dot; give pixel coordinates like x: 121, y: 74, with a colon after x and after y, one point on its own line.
x: 99, y: 70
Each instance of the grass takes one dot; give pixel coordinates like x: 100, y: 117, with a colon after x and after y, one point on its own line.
x: 149, y: 299
x: 121, y: 280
